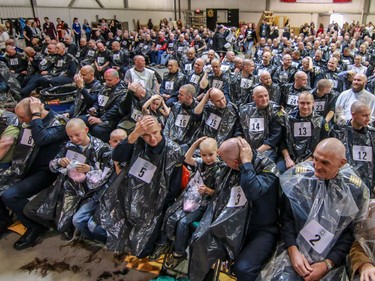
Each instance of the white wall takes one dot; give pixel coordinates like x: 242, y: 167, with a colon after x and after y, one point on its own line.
x: 354, y: 7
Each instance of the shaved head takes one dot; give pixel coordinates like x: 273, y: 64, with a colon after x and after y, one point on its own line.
x: 75, y: 122
x: 229, y: 150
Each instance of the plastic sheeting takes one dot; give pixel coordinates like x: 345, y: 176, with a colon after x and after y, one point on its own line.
x: 12, y: 82
x: 321, y: 213
x: 24, y: 154
x: 66, y: 194
x: 132, y: 210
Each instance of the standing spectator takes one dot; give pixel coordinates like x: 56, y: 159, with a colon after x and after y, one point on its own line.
x: 150, y: 25
x: 36, y: 30
x: 264, y: 29
x: 320, y: 30
x: 3, y: 37
x: 60, y: 29
x: 49, y: 29
x: 250, y: 38
x: 28, y: 33
x: 11, y: 29
x: 76, y: 27
x: 87, y: 28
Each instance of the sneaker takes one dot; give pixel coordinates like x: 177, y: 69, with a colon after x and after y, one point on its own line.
x: 159, y: 250
x: 174, y: 260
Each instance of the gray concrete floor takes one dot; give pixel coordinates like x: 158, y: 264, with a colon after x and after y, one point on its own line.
x: 91, y: 261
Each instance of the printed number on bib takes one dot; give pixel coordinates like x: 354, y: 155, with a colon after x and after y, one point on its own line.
x: 143, y: 170
x: 116, y: 56
x: 213, y: 121
x: 194, y: 79
x: 217, y: 84
x: 100, y: 60
x: 362, y: 153
x: 316, y: 236
x: 182, y: 120
x: 136, y: 114
x: 256, y: 125
x: 224, y: 68
x: 246, y: 83
x: 169, y: 85
x: 319, y: 105
x: 27, y: 138
x: 196, y: 181
x: 13, y: 61
x: 75, y: 156
x: 102, y: 100
x: 59, y: 63
x: 237, y: 197
x: 188, y: 67
x: 292, y: 100
x: 302, y: 129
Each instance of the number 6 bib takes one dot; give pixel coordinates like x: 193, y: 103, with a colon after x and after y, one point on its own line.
x: 143, y: 170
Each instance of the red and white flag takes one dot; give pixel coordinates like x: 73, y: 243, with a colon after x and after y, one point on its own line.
x: 317, y: 1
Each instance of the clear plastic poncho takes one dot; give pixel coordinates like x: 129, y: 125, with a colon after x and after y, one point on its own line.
x: 321, y: 213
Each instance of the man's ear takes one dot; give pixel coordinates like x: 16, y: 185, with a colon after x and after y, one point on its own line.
x: 343, y: 162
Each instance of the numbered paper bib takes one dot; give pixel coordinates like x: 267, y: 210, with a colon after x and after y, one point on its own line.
x: 319, y: 105
x: 170, y: 45
x: 317, y: 236
x: 346, y: 61
x: 217, y: 84
x: 143, y: 170
x: 116, y: 56
x: 158, y: 46
x: 182, y: 120
x: 43, y: 62
x: 224, y: 68
x: 169, y: 85
x: 180, y: 49
x: 334, y: 83
x: 13, y: 61
x: 188, y: 67
x: 100, y: 60
x: 246, y: 83
x: 75, y: 156
x: 196, y: 181
x: 302, y: 129
x: 136, y: 114
x: 102, y: 100
x: 27, y: 138
x: 237, y: 197
x: 295, y: 64
x: 91, y: 53
x: 292, y: 100
x: 59, y: 63
x: 362, y: 153
x: 256, y: 125
x: 194, y: 79
x: 213, y: 121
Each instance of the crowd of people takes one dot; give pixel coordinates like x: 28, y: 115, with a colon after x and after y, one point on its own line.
x: 265, y: 160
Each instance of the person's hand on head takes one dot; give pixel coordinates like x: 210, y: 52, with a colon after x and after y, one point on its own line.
x: 246, y: 154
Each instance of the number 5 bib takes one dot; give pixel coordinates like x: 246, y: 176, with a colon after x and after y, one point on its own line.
x: 143, y: 170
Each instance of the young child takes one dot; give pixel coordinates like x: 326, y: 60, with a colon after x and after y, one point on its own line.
x: 82, y: 155
x: 192, y: 204
x: 83, y: 218
x: 156, y: 107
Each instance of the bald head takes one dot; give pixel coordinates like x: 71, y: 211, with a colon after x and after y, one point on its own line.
x: 332, y: 146
x: 229, y: 150
x: 75, y: 122
x: 358, y: 106
x: 208, y: 144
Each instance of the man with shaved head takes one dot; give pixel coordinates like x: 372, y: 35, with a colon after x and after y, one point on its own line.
x: 261, y: 122
x: 357, y: 92
x: 273, y: 89
x: 87, y: 91
x: 321, y: 201
x: 120, y: 58
x: 219, y: 118
x: 104, y: 115
x: 242, y: 83
x: 153, y: 180
x: 244, y: 213
x: 41, y: 136
x: 291, y: 91
x: 358, y: 138
x: 172, y: 81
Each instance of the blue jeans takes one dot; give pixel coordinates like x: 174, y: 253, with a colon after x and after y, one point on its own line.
x: 159, y: 56
x: 82, y: 220
x: 248, y: 47
x: 183, y: 230
x: 16, y: 196
x: 258, y: 248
